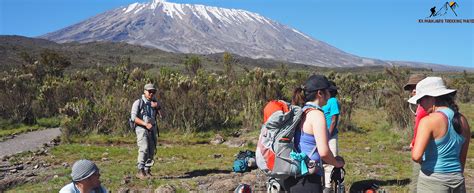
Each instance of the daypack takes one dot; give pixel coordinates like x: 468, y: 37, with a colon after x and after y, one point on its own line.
x: 241, y: 162
x: 276, y: 141
x: 131, y: 123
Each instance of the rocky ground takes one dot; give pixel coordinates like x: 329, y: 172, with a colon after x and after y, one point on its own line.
x: 27, y: 167
x: 17, y: 169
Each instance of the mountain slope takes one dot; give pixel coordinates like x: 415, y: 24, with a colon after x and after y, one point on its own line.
x: 86, y: 55
x: 186, y: 28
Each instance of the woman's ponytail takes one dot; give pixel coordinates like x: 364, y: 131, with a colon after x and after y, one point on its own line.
x: 448, y: 100
x: 298, y: 97
x: 457, y: 116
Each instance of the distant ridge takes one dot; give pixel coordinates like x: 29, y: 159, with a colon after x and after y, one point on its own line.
x: 108, y: 53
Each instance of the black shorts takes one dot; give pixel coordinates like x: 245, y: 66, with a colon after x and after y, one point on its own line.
x: 310, y: 184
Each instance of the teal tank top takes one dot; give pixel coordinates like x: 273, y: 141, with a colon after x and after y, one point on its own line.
x: 443, y: 155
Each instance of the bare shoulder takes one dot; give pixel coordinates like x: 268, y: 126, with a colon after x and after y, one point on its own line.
x: 431, y: 118
x: 315, y: 114
x: 431, y: 121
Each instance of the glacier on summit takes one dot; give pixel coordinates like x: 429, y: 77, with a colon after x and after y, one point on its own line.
x: 191, y: 28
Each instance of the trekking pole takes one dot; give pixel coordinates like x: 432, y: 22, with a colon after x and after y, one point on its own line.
x: 337, y: 177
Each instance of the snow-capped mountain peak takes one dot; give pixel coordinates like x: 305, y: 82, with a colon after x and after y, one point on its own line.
x: 191, y: 28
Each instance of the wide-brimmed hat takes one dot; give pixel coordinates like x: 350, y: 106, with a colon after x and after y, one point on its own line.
x: 430, y: 86
x: 83, y: 169
x: 149, y: 86
x: 413, y: 80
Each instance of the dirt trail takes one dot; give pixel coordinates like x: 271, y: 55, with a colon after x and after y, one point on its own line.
x: 28, y: 141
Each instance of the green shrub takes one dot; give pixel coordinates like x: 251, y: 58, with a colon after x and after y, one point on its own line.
x: 49, y: 122
x: 396, y: 98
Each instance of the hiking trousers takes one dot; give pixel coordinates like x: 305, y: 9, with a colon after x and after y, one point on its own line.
x: 414, y: 178
x: 333, y: 146
x: 441, y: 183
x: 146, y: 141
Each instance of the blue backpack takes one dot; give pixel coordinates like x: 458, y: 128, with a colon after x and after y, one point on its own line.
x: 241, y: 161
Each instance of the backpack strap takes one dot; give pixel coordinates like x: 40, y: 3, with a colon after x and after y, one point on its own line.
x: 141, y: 103
x: 314, y: 150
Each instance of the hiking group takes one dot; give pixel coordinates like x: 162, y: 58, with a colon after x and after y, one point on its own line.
x: 298, y: 143
x: 297, y: 146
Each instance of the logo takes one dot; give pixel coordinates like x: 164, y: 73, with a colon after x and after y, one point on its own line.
x: 446, y: 13
x: 444, y: 9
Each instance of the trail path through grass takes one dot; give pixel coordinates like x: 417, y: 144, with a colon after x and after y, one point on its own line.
x: 28, y: 141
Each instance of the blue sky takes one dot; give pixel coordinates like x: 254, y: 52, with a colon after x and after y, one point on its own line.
x: 387, y: 29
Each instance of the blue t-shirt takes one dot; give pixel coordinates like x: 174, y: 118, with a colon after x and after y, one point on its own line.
x: 330, y: 109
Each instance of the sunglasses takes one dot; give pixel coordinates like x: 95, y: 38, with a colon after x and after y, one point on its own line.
x: 151, y: 91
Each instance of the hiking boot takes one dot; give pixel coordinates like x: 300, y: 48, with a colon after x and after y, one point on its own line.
x: 141, y: 174
x: 148, y: 173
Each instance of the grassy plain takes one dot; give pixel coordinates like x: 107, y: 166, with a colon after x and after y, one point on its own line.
x: 374, y: 153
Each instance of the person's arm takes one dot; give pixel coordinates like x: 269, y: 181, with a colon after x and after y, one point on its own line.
x: 420, y: 113
x: 157, y: 106
x: 423, y: 136
x: 318, y: 123
x: 135, y: 118
x: 334, y: 112
x: 143, y: 123
x: 466, y: 132
x: 333, y: 125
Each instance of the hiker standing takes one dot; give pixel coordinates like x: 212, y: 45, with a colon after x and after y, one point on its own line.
x: 419, y: 113
x: 85, y: 178
x: 331, y: 112
x: 311, y: 137
x: 144, y: 111
x: 442, y: 140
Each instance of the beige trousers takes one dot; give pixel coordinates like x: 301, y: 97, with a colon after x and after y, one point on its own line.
x: 333, y: 146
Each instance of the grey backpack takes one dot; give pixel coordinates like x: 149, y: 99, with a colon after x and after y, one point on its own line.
x: 276, y: 141
x: 131, y: 123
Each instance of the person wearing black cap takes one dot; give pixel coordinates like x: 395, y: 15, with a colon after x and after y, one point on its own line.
x: 144, y: 111
x: 312, y: 136
x: 331, y: 112
x: 85, y: 178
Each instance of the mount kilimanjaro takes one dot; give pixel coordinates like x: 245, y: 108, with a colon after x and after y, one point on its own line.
x: 187, y: 28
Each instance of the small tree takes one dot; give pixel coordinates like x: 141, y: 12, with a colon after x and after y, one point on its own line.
x: 228, y: 61
x: 396, y: 104
x: 193, y: 64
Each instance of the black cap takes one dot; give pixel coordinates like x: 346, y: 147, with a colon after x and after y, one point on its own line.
x: 316, y: 82
x: 332, y: 86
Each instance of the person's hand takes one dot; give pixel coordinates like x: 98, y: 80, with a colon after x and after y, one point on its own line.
x: 149, y: 126
x: 339, y: 162
x: 154, y: 104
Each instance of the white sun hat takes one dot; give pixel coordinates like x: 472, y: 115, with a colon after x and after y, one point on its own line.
x: 430, y: 86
